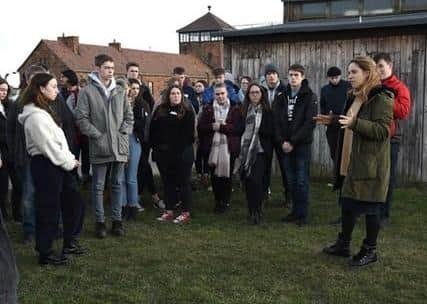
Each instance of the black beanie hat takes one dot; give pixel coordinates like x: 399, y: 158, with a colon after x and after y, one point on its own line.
x: 71, y: 76
x: 270, y: 68
x: 333, y: 71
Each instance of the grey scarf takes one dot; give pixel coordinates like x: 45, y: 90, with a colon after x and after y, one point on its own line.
x: 250, y: 143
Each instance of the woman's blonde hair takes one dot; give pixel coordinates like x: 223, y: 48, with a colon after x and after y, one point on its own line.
x: 367, y: 64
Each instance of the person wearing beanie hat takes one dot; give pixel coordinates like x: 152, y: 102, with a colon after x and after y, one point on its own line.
x: 332, y: 101
x: 270, y: 68
x: 333, y: 72
x: 275, y: 87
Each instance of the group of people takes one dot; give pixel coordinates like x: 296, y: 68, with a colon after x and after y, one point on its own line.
x: 110, y: 126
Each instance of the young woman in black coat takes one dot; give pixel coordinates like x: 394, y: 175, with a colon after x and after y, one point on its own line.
x: 172, y: 137
x: 256, y: 147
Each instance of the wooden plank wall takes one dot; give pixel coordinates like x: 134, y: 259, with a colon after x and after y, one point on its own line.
x: 409, y: 56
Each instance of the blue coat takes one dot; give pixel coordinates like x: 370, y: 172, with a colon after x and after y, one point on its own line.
x: 209, y: 94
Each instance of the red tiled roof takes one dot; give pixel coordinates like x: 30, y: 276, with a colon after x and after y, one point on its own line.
x: 206, y: 23
x: 151, y: 63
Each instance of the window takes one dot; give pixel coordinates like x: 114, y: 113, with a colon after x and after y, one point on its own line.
x: 413, y: 5
x: 194, y: 37
x: 216, y: 36
x: 205, y: 36
x: 313, y: 10
x: 344, y: 8
x: 183, y: 37
x: 378, y: 7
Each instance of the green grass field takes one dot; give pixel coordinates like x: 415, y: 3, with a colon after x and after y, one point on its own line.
x: 221, y: 259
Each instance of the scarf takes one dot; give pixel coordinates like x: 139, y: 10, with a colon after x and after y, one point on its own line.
x: 348, y: 138
x: 219, y: 156
x: 250, y: 143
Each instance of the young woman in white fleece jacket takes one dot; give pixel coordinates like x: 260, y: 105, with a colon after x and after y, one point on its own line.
x: 51, y: 165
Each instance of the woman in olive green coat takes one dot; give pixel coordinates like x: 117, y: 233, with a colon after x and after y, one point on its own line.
x: 363, y: 165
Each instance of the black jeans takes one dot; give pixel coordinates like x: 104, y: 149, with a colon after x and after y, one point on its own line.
x: 269, y: 162
x: 176, y: 176
x: 8, y: 271
x: 202, y: 166
x: 222, y: 186
x: 394, y: 154
x: 332, y: 137
x: 7, y: 170
x: 254, y: 184
x: 145, y: 172
x: 55, y: 191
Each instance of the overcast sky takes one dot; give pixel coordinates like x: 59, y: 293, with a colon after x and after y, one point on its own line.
x: 148, y: 25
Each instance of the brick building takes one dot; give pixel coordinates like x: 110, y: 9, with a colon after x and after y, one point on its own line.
x: 201, y: 49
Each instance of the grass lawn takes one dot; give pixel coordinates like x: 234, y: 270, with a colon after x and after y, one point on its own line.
x: 221, y: 259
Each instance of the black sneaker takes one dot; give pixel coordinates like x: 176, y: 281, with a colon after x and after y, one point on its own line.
x: 74, y: 248
x: 132, y: 213
x: 301, y: 222
x: 100, y: 230
x: 28, y: 238
x: 52, y: 258
x: 117, y: 228
x: 290, y: 218
x: 159, y: 204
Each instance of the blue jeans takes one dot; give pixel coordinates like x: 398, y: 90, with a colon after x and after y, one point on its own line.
x: 98, y: 180
x: 297, y: 167
x: 28, y: 202
x: 130, y: 181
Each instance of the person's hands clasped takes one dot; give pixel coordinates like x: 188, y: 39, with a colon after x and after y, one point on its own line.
x: 216, y: 126
x: 287, y: 147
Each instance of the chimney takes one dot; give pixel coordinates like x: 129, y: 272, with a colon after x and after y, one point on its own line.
x: 116, y: 45
x: 72, y: 42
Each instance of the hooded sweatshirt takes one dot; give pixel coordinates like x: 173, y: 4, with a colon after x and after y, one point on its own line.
x: 44, y: 137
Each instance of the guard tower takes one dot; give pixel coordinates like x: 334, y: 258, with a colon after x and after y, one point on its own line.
x: 204, y: 39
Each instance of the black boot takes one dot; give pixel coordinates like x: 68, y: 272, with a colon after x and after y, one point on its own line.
x: 73, y: 247
x: 125, y: 212
x: 366, y: 255
x: 117, y: 228
x: 339, y: 248
x: 257, y: 218
x: 132, y: 213
x: 100, y: 230
x: 52, y: 258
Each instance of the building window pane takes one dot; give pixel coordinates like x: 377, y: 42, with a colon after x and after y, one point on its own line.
x: 344, y: 8
x: 378, y: 7
x: 183, y: 38
x: 313, y: 10
x: 194, y: 37
x: 205, y: 36
x: 216, y: 36
x: 413, y: 5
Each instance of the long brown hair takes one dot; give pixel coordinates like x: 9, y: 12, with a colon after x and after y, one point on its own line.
x: 367, y: 64
x: 33, y: 94
x: 164, y: 106
x: 264, y: 99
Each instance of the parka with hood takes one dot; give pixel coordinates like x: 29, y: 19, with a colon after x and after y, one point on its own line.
x: 106, y: 117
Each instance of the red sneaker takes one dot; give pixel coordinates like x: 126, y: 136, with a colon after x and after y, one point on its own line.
x: 183, y: 218
x: 167, y: 216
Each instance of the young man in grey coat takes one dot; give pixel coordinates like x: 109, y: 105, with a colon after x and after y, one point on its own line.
x: 105, y: 116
